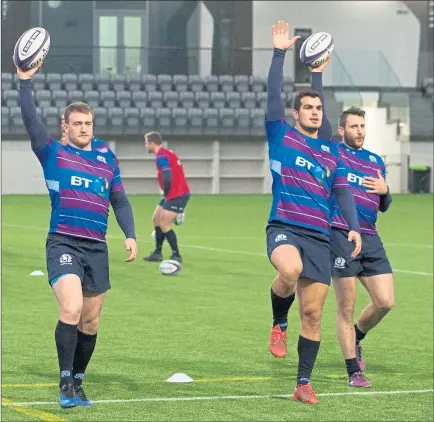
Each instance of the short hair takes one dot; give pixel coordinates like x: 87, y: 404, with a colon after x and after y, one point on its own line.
x: 79, y: 107
x: 305, y: 93
x: 154, y: 137
x: 352, y: 111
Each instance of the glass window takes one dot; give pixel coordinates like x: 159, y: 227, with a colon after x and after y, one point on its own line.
x: 108, y: 41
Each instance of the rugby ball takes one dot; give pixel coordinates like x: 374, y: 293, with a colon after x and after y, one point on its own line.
x: 170, y: 267
x: 316, y: 49
x: 31, y: 48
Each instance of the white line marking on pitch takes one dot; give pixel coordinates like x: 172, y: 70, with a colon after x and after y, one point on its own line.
x: 208, y: 248
x: 209, y: 398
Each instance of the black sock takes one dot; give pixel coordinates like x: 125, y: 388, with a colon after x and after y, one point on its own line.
x: 352, y: 366
x: 83, y: 353
x: 307, y: 352
x: 281, y: 307
x: 159, y: 239
x: 66, y: 341
x: 359, y: 335
x: 171, y: 238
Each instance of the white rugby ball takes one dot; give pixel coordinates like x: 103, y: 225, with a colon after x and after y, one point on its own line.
x: 31, y: 48
x: 316, y: 49
x: 170, y: 267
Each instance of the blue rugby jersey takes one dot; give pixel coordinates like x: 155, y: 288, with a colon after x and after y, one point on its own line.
x: 79, y: 184
x: 360, y: 163
x: 305, y: 171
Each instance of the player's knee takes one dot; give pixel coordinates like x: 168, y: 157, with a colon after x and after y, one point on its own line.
x: 385, y: 305
x: 290, y: 275
x: 346, y: 310
x: 70, y: 313
x: 311, y: 318
x: 89, y: 324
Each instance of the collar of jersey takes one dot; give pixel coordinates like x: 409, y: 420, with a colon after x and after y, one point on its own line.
x: 309, y: 137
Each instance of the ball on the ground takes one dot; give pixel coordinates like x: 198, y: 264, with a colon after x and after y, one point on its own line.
x: 170, y: 267
x: 31, y: 48
x: 316, y: 49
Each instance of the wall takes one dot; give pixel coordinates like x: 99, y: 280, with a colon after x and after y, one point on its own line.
x: 361, y: 29
x: 422, y: 154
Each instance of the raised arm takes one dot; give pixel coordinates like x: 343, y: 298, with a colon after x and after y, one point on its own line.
x: 35, y: 128
x: 281, y: 43
x: 325, y: 131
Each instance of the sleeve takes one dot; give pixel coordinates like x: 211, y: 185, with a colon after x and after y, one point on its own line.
x: 347, y: 206
x: 117, y: 180
x: 123, y: 212
x: 164, y: 165
x: 325, y: 131
x: 41, y: 143
x: 340, y: 180
x: 385, y: 200
x: 275, y: 105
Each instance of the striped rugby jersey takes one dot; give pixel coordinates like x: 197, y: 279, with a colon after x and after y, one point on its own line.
x: 305, y: 171
x: 79, y: 183
x: 360, y: 163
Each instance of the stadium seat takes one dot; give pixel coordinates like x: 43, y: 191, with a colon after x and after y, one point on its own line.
x: 257, y: 83
x: 248, y: 99
x: 51, y: 117
x: 171, y: 99
x: 180, y: 83
x: 117, y: 82
x: 218, y: 99
x: 132, y: 120
x: 100, y: 118
x: 211, y: 118
x: 123, y: 99
x: 155, y: 99
x: 257, y: 117
x: 261, y: 99
x: 140, y: 99
x: 75, y: 96
x: 202, y: 99
x: 242, y: 117
x: 86, y: 81
x: 5, y: 116
x: 43, y: 98
x: 187, y: 99
x: 428, y: 86
x: 92, y: 98
x: 116, y: 118
x: 60, y: 99
x: 211, y: 83
x: 233, y: 99
x: 195, y: 118
x: 39, y: 81
x: 288, y: 84
x: 70, y: 81
x: 54, y: 81
x: 150, y: 83
x: 7, y: 83
x: 102, y: 82
x: 164, y: 118
x: 227, y: 118
x: 16, y: 121
x: 10, y: 98
x: 147, y: 117
x: 164, y: 82
x: 179, y: 119
x: 134, y: 82
x: 108, y: 98
x: 196, y: 83
x: 226, y: 83
x: 241, y: 83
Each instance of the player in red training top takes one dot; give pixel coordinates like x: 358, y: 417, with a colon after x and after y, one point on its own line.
x: 172, y: 182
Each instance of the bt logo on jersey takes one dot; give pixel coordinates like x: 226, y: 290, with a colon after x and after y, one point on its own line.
x: 353, y: 178
x: 80, y: 181
x: 302, y: 162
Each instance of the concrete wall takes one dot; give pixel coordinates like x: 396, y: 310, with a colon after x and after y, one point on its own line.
x: 368, y: 35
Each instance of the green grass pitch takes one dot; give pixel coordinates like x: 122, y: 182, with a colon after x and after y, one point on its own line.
x: 212, y: 322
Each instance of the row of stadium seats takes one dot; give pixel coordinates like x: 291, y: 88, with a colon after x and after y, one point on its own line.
x: 141, y: 99
x: 133, y: 120
x: 145, y: 82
